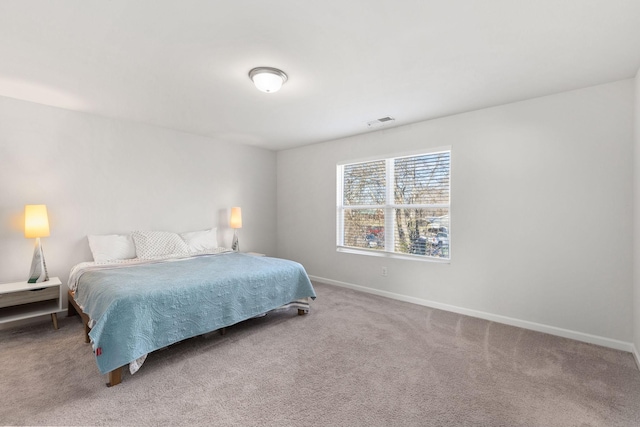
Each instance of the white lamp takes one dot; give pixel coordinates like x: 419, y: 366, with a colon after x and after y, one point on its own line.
x: 268, y: 79
x: 235, y: 222
x: 36, y: 225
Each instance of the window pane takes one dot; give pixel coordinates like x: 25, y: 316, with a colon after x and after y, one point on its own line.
x: 364, y: 183
x: 364, y: 228
x: 416, y: 205
x: 422, y: 179
x: 422, y: 232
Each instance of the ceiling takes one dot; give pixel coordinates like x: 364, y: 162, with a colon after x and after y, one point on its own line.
x: 183, y: 64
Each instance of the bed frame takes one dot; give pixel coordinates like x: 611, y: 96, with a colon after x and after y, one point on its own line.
x: 115, y: 376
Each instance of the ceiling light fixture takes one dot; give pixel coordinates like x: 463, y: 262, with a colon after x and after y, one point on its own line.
x: 268, y: 79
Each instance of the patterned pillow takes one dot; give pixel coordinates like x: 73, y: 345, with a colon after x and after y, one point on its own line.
x: 153, y: 244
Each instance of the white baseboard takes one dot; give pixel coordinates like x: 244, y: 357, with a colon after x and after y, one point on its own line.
x: 636, y: 356
x: 552, y: 330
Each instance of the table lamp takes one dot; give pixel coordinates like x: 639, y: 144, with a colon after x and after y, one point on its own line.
x: 36, y: 225
x: 235, y: 222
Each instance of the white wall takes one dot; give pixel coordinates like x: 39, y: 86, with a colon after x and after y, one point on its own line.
x: 636, y: 223
x: 541, y: 213
x: 100, y: 176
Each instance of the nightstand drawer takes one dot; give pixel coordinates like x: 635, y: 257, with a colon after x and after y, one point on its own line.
x: 26, y: 297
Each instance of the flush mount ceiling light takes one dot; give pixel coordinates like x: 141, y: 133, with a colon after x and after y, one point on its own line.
x: 268, y: 79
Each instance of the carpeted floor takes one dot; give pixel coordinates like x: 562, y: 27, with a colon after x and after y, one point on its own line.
x: 355, y: 360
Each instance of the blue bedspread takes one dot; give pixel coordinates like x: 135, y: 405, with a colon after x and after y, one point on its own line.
x: 142, y: 308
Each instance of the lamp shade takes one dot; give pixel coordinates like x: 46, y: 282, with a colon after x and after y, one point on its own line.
x: 236, y: 218
x: 36, y: 221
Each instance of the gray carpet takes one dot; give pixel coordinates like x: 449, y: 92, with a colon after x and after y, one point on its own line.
x: 356, y: 360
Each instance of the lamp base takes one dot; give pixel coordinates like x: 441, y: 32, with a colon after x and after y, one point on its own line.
x: 38, y: 271
x: 234, y: 243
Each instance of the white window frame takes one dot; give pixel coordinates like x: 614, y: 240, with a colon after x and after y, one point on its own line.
x: 389, y: 208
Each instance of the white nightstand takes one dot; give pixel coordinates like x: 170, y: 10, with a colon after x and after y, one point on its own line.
x: 22, y: 300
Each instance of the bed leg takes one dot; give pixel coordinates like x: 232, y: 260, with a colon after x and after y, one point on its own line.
x: 223, y: 331
x: 302, y: 312
x: 115, y: 377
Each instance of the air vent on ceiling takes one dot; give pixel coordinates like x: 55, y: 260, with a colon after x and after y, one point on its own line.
x: 380, y: 122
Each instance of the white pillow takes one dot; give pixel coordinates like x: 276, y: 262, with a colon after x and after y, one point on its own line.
x: 111, y: 247
x: 198, y: 241
x: 153, y: 244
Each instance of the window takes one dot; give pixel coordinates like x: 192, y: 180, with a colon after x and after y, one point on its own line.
x: 396, y: 206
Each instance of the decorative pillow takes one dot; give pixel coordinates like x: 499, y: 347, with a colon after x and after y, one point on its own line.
x: 198, y: 241
x: 153, y: 244
x: 111, y: 247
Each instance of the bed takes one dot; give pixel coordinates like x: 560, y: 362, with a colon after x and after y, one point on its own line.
x: 133, y: 307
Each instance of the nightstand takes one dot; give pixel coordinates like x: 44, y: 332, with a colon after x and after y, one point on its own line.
x: 22, y: 300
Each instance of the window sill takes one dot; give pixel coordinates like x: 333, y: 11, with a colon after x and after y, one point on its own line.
x: 384, y: 254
